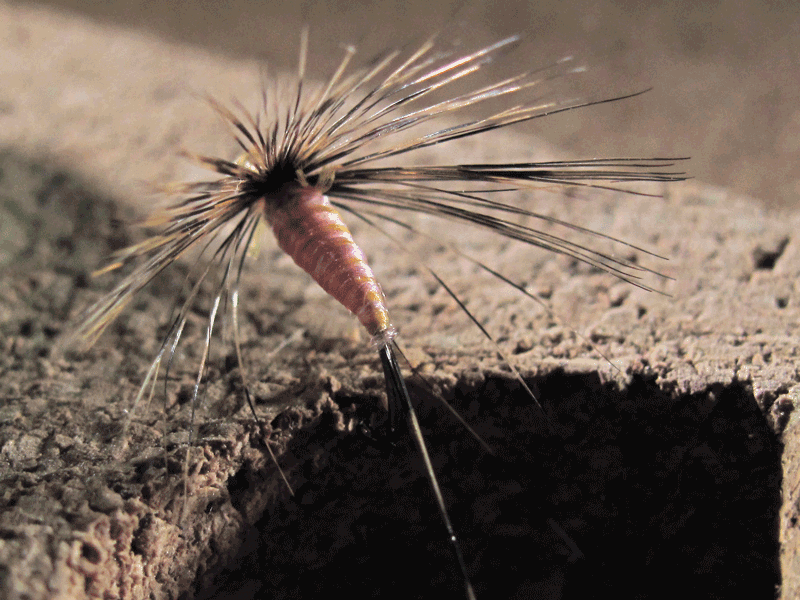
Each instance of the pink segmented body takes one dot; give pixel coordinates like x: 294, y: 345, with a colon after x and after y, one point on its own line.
x: 310, y: 230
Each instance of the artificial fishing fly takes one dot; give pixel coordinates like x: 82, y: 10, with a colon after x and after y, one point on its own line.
x: 317, y: 152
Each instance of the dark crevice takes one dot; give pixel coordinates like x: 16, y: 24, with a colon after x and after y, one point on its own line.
x: 766, y: 258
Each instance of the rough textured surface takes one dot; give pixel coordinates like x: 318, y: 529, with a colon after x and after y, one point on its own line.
x: 672, y: 468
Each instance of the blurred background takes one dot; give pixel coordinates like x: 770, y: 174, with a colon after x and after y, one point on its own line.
x: 725, y: 75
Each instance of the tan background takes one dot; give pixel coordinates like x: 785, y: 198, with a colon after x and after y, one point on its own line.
x: 726, y: 75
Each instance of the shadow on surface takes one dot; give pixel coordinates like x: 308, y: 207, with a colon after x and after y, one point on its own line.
x: 665, y: 497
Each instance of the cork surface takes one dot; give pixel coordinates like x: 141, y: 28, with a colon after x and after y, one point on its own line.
x: 666, y: 467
